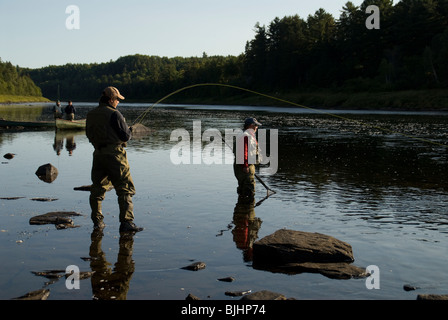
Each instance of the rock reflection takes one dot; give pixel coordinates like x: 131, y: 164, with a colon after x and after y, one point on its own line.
x: 246, y: 227
x: 108, y: 283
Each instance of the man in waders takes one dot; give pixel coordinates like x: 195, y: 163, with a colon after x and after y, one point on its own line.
x: 246, y: 156
x: 108, y: 132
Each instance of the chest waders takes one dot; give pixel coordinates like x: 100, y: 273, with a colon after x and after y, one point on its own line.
x: 110, y: 166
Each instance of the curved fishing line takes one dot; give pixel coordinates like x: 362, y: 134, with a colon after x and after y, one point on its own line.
x: 141, y: 117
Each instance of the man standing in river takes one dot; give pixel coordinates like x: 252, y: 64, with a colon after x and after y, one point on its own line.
x: 108, y: 132
x: 246, y: 156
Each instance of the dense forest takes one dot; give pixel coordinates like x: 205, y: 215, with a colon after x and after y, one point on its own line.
x: 15, y: 82
x: 292, y: 54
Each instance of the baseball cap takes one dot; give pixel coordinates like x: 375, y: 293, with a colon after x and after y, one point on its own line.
x: 250, y: 121
x: 112, y: 92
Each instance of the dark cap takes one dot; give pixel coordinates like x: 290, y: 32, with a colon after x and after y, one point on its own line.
x: 250, y: 121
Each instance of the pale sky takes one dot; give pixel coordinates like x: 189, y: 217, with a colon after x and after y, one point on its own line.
x: 33, y: 33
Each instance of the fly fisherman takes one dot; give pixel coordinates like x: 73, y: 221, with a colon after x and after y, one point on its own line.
x: 246, y: 156
x: 108, y: 132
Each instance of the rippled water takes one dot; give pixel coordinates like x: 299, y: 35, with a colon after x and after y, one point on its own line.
x: 375, y: 180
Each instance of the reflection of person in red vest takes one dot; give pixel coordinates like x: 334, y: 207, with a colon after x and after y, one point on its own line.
x: 246, y: 227
x: 246, y: 156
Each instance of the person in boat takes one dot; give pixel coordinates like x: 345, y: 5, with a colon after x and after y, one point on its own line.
x: 246, y: 157
x: 70, y: 111
x: 57, y: 110
x: 108, y: 132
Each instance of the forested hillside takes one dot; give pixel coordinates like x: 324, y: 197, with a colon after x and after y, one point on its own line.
x: 16, y: 83
x: 292, y: 54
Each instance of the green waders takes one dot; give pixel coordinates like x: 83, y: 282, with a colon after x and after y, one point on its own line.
x: 110, y: 165
x: 246, y: 181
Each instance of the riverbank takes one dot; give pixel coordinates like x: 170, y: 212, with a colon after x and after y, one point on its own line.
x: 6, y: 98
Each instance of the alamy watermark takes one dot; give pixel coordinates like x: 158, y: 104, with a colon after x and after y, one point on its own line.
x: 73, y: 21
x: 373, y: 21
x: 373, y: 280
x: 190, y: 149
x: 72, y: 278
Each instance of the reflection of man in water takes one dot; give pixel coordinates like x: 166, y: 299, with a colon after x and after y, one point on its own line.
x: 246, y: 227
x: 108, y: 284
x: 70, y: 144
x: 58, y: 144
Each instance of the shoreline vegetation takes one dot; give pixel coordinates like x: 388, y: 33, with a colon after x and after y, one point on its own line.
x: 411, y: 100
x: 10, y: 99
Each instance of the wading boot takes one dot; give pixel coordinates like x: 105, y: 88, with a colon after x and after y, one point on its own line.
x: 129, y: 226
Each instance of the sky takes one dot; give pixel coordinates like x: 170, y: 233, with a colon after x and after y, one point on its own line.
x: 39, y: 33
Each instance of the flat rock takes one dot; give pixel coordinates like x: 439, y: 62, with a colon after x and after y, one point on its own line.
x: 289, y: 246
x: 41, y: 294
x: 292, y: 252
x: 264, y: 295
x: 432, y: 297
x: 60, y: 219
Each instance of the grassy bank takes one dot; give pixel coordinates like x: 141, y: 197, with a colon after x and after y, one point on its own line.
x: 5, y: 98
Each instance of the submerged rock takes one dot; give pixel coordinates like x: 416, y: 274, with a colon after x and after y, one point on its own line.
x: 44, y: 199
x: 60, y: 219
x: 41, y: 294
x: 227, y: 279
x: 88, y: 187
x: 237, y: 293
x: 11, y: 198
x: 432, y: 297
x: 264, y: 295
x: 195, y: 266
x: 139, y: 131
x: 47, y: 173
x: 291, y: 252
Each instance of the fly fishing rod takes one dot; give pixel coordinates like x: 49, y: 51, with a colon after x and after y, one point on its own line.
x: 141, y: 116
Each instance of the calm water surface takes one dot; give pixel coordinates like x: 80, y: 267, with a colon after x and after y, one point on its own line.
x: 375, y: 180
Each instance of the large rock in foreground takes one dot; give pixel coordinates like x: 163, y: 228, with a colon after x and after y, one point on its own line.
x: 291, y: 252
x: 286, y: 246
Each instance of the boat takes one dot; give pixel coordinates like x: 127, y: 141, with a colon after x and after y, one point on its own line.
x: 28, y: 124
x: 63, y: 124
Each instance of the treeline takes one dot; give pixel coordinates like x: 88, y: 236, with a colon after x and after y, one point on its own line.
x: 291, y: 54
x: 14, y: 81
x: 409, y: 51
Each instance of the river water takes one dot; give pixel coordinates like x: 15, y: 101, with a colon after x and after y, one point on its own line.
x: 376, y: 180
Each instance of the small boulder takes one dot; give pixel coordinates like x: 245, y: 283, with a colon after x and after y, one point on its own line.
x: 195, y: 266
x: 47, y: 173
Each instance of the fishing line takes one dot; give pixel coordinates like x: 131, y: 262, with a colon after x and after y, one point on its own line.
x: 142, y: 116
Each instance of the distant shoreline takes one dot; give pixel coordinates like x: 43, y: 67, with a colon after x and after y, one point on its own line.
x: 8, y: 99
x: 411, y: 100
